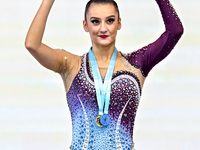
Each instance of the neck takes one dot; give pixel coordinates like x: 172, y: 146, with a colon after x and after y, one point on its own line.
x: 103, y: 53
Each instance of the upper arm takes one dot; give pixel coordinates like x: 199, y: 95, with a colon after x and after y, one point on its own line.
x: 147, y: 57
x: 49, y: 58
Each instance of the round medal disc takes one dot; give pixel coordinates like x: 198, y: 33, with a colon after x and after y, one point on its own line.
x: 105, y: 119
x: 98, y: 122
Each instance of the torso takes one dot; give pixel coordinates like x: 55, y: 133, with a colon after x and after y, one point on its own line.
x: 126, y: 87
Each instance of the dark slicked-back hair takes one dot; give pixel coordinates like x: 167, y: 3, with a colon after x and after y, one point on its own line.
x: 101, y: 2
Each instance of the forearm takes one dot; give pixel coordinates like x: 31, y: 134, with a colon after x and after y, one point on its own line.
x: 170, y: 17
x: 36, y: 30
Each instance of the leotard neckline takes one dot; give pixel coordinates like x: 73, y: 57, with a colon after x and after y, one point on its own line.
x: 115, y: 74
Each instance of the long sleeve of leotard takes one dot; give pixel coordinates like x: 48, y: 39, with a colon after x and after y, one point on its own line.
x: 147, y: 57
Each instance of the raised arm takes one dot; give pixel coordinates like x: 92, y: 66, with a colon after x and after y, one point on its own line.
x: 147, y: 57
x: 46, y: 56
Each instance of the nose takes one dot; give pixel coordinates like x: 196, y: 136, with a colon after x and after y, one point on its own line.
x: 103, y: 28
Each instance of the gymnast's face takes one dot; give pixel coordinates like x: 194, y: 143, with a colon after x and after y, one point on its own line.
x: 102, y: 24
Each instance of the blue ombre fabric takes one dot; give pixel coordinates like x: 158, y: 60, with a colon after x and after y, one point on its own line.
x: 84, y: 109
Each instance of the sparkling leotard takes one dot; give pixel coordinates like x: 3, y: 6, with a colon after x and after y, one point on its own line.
x: 125, y: 91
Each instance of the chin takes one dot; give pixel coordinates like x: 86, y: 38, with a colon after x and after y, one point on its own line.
x: 105, y: 43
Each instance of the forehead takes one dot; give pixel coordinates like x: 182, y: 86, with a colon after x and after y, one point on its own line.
x: 101, y: 10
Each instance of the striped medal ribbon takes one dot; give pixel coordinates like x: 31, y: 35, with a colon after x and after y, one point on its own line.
x: 102, y: 89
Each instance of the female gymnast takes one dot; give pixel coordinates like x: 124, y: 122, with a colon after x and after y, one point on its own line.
x: 103, y: 87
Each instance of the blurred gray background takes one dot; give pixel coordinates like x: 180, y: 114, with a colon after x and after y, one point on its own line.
x: 33, y: 110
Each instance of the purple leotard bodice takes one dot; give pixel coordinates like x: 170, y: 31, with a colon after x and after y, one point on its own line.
x: 125, y: 92
x: 83, y: 105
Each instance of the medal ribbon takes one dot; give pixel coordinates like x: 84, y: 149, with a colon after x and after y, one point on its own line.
x: 102, y: 89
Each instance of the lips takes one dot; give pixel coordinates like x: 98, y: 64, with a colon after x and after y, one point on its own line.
x: 103, y: 36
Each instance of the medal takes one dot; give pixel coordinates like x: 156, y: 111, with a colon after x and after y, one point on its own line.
x: 105, y: 119
x: 98, y: 121
x: 102, y: 89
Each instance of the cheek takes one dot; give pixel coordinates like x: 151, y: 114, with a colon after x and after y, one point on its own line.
x: 114, y: 30
x: 94, y: 31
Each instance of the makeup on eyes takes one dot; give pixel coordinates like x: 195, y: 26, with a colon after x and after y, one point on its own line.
x: 112, y: 20
x: 96, y: 20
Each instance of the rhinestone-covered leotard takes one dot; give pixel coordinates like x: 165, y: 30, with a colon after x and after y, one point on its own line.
x: 125, y: 91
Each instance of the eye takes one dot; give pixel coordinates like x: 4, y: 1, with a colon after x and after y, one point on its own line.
x: 95, y: 22
x: 110, y: 21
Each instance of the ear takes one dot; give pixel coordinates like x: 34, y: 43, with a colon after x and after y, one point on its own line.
x: 119, y: 24
x: 85, y: 26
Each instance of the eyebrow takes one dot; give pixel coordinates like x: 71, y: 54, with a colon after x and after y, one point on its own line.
x: 106, y: 17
